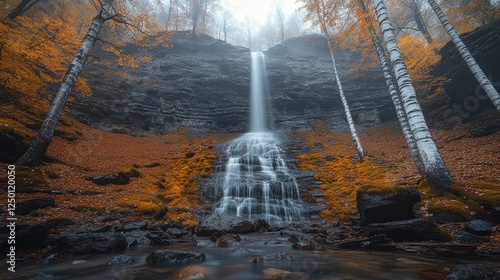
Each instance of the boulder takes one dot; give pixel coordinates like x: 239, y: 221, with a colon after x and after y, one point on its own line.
x: 195, y: 272
x: 119, y: 178
x: 227, y: 241
x: 87, y: 243
x: 474, y: 271
x: 174, y: 256
x: 467, y: 237
x: 135, y: 225
x: 240, y: 251
x: 226, y: 223
x: 28, y: 206
x: 274, y: 257
x: 386, y: 206
x: 479, y: 227
x: 32, y: 236
x: 119, y: 260
x: 419, y: 229
x: 279, y: 274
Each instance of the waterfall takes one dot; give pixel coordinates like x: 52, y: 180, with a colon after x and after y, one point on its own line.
x: 257, y: 183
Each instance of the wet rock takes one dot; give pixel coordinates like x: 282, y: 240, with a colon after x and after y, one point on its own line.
x: 419, y: 229
x: 32, y: 276
x: 227, y: 241
x: 444, y: 249
x: 364, y: 243
x: 141, y: 274
x: 240, y: 251
x: 377, y: 207
x: 28, y: 206
x: 135, y: 225
x: 478, y: 227
x: 278, y: 274
x: 174, y: 256
x: 474, y: 271
x: 175, y: 232
x: 274, y: 257
x: 195, y: 272
x: 116, y: 179
x: 32, y: 236
x: 467, y: 237
x: 87, y: 243
x: 227, y: 224
x: 303, y: 241
x: 120, y: 260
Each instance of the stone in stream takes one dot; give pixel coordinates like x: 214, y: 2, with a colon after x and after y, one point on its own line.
x: 120, y: 259
x: 478, y: 227
x: 274, y: 257
x: 376, y: 206
x: 279, y: 274
x: 227, y: 241
x: 28, y: 206
x: 174, y: 256
x: 88, y: 243
x: 474, y: 271
x: 467, y: 237
x: 226, y: 223
x: 195, y: 272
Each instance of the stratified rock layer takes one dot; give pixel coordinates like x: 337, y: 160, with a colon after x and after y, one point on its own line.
x: 203, y: 84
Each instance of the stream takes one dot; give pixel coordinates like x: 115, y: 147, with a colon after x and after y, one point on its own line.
x: 222, y: 264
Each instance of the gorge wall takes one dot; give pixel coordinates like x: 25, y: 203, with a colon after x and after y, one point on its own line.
x: 203, y: 84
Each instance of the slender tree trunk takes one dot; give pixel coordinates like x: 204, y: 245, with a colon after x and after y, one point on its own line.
x: 436, y: 171
x: 466, y: 55
x: 355, y: 138
x: 21, y: 8
x: 396, y: 99
x: 40, y: 143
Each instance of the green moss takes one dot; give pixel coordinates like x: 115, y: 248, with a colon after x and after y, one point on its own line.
x: 484, y: 193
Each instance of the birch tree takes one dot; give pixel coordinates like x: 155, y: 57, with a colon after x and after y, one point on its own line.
x: 40, y: 143
x: 436, y: 171
x: 319, y: 8
x: 396, y: 99
x: 466, y: 55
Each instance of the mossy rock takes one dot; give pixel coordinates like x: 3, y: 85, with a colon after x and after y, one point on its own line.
x: 449, y: 211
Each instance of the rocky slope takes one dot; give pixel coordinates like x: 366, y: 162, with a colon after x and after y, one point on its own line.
x: 203, y: 84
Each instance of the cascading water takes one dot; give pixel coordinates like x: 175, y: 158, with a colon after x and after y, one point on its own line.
x: 257, y: 181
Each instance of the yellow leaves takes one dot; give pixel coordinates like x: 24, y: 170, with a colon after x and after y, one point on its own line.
x: 420, y: 58
x: 341, y: 176
x: 146, y: 59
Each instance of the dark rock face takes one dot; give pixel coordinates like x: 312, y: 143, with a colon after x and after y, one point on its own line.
x: 392, y: 206
x: 474, y: 271
x: 204, y: 84
x: 420, y: 229
x: 465, y: 101
x: 217, y: 223
x: 31, y: 205
x: 87, y: 243
x: 174, y: 256
x: 120, y: 260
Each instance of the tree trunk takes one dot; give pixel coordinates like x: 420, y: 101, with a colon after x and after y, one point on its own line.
x: 355, y: 138
x: 21, y: 8
x: 40, y: 143
x: 466, y: 55
x: 396, y: 99
x: 436, y: 171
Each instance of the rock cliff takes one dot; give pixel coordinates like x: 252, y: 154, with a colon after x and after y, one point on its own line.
x: 204, y: 84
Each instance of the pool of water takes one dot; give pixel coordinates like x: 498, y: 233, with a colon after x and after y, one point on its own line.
x: 331, y: 264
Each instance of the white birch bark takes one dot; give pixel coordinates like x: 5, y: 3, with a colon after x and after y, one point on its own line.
x: 355, y: 137
x: 396, y: 99
x: 436, y: 171
x: 40, y: 143
x: 467, y: 56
